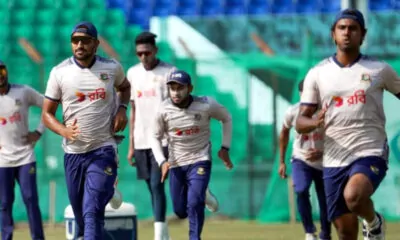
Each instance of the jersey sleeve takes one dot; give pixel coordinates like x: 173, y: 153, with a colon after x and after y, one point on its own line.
x: 53, y: 89
x: 219, y: 112
x: 391, y: 80
x: 288, y: 118
x: 34, y: 98
x: 158, y: 132
x: 310, y: 89
x: 119, y: 74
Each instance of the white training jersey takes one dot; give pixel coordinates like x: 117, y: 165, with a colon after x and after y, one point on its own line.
x: 303, y: 142
x: 188, y: 130
x: 14, y: 118
x: 355, y: 119
x: 88, y: 95
x: 148, y: 91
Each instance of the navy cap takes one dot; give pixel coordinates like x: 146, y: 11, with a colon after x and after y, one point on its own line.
x: 85, y: 27
x: 351, y: 14
x: 179, y: 76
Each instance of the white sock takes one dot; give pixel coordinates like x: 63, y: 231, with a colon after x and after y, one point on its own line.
x: 374, y: 223
x: 160, y: 231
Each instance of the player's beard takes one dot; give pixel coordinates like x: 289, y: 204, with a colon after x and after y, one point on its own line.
x: 180, y: 98
x: 86, y: 54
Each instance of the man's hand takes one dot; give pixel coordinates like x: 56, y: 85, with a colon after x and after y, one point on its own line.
x: 313, y: 155
x: 320, y: 121
x: 164, y: 171
x: 223, y: 154
x: 31, y: 138
x: 71, y: 132
x: 120, y: 120
x: 282, y: 170
x: 131, y: 155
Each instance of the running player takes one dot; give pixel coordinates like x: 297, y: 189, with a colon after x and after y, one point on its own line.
x: 17, y: 158
x: 84, y: 85
x: 306, y: 168
x: 185, y: 119
x: 349, y: 87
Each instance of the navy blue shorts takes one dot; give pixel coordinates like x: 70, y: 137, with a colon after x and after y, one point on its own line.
x: 146, y: 162
x: 336, y: 178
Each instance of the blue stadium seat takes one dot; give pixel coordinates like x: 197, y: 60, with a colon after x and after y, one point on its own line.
x: 307, y: 6
x: 211, y: 7
x: 330, y: 6
x: 140, y: 16
x: 395, y: 4
x: 235, y: 7
x: 187, y: 8
x: 283, y: 6
x: 163, y: 8
x: 141, y: 3
x: 258, y: 7
x: 379, y: 5
x: 115, y: 4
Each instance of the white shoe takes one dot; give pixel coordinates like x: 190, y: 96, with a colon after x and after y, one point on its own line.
x: 311, y: 236
x: 116, y: 200
x: 211, y: 201
x: 377, y: 233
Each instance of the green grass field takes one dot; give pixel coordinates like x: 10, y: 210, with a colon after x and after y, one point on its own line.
x: 216, y: 230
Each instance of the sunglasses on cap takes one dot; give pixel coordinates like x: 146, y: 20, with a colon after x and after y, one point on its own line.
x: 82, y: 39
x: 145, y: 53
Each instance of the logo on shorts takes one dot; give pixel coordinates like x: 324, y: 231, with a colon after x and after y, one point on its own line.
x: 18, y: 102
x: 374, y: 169
x: 108, y: 171
x: 32, y: 170
x: 104, y: 76
x: 197, y: 117
x: 201, y: 171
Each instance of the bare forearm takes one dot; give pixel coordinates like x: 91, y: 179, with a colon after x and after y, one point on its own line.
x: 131, y: 126
x: 283, y: 142
x: 52, y: 123
x: 125, y: 95
x: 305, y: 124
x: 227, y: 133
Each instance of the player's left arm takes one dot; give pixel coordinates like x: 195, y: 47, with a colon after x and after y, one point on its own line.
x: 34, y: 99
x: 123, y: 88
x: 219, y: 112
x: 158, y: 132
x: 391, y: 81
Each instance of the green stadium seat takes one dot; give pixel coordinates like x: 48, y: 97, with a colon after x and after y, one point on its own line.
x: 4, y: 32
x: 48, y: 48
x: 5, y: 16
x: 43, y: 32
x: 95, y: 15
x: 48, y: 4
x: 22, y: 16
x: 69, y: 16
x: 115, y: 17
x: 73, y: 4
x: 4, y: 50
x: 6, y: 4
x: 19, y: 31
x: 132, y: 31
x: 46, y: 16
x: 100, y: 4
x: 24, y: 4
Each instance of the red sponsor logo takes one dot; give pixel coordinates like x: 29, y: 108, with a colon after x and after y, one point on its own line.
x: 146, y: 93
x: 187, y: 131
x: 16, y: 117
x: 99, y: 93
x: 312, y: 136
x: 358, y: 97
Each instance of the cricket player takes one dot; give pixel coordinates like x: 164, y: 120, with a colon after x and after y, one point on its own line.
x: 17, y: 158
x: 306, y: 168
x: 84, y: 85
x: 185, y: 119
x: 148, y: 91
x: 349, y: 87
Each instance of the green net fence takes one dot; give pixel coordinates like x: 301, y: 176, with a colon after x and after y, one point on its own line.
x: 257, y: 91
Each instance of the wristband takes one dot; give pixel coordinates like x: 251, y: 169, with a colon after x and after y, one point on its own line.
x: 124, y: 106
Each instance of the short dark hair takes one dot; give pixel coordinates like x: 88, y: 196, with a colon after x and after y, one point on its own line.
x: 300, y: 86
x: 146, y: 38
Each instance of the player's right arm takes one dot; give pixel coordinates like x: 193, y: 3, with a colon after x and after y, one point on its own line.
x: 305, y: 122
x: 50, y: 105
x: 158, y: 132
x: 131, y: 150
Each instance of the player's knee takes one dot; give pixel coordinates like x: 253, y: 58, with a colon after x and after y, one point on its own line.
x: 303, y: 193
x: 353, y: 198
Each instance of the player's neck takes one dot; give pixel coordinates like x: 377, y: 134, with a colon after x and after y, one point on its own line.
x: 4, y: 90
x: 88, y: 63
x: 153, y: 65
x: 347, y: 59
